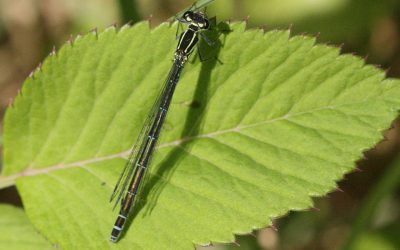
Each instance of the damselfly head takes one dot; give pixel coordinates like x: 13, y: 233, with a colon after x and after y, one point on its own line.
x: 198, y: 19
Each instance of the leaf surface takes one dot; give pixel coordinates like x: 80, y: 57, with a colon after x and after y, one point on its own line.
x: 278, y: 121
x: 16, y: 232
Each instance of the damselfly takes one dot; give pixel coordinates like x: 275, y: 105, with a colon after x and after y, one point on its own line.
x: 128, y: 185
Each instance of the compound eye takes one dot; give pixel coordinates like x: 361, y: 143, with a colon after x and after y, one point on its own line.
x: 188, y: 16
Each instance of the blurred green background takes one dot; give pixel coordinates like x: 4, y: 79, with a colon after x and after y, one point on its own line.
x: 365, y: 214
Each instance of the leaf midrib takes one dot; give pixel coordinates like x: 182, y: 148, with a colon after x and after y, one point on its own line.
x: 10, y: 180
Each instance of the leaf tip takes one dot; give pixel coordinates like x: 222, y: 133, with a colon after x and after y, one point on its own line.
x: 111, y: 27
x: 31, y: 74
x: 114, y: 25
x: 357, y: 169
x: 339, y: 189
x: 127, y: 25
x: 290, y: 28
x: 78, y: 37
x: 315, y: 209
x: 149, y: 18
x: 53, y: 51
x: 387, y: 71
x: 246, y: 20
x: 209, y: 244
x: 10, y: 102
x: 379, y: 66
x: 263, y: 28
x: 273, y: 227
x: 340, y: 46
x: 94, y: 32
x: 236, y: 243
x: 39, y: 67
x: 70, y: 40
x: 310, y: 37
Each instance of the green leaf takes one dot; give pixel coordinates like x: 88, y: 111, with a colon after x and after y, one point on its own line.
x: 16, y: 232
x: 386, y: 238
x: 277, y: 122
x: 369, y: 209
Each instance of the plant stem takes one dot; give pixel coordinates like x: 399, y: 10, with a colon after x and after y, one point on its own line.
x: 386, y: 185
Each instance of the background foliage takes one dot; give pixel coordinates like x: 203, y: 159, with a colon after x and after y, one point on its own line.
x: 369, y: 206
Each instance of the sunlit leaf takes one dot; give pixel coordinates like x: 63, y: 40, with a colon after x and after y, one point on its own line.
x: 250, y: 136
x: 16, y: 232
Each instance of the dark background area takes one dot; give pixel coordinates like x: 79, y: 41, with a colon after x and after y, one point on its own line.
x: 367, y: 208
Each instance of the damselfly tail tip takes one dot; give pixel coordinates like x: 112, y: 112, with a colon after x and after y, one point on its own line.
x: 118, y: 226
x: 115, y: 233
x: 113, y: 239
